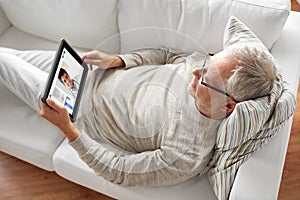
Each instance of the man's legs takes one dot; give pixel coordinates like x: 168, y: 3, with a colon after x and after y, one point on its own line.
x: 23, y: 79
x: 40, y: 59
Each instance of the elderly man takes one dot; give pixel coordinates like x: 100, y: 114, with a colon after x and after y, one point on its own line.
x: 161, y: 108
x: 148, y: 111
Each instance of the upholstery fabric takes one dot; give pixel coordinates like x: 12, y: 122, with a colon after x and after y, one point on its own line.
x: 195, y: 25
x: 78, y: 21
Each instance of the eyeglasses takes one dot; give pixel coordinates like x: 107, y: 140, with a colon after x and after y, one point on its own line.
x: 210, y: 86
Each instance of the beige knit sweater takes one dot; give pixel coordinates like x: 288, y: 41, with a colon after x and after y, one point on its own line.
x: 146, y: 111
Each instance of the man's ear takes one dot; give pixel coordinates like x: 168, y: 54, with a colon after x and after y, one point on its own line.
x: 230, y: 107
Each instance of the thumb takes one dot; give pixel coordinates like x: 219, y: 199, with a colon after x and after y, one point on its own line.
x: 54, y: 105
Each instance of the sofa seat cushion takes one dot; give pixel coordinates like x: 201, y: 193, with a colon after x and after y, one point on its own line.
x: 68, y: 164
x: 24, y: 134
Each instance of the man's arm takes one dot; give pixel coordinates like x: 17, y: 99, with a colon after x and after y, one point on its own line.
x: 134, y: 58
x: 160, y: 167
x: 102, y: 60
x: 170, y: 164
x: 152, y: 57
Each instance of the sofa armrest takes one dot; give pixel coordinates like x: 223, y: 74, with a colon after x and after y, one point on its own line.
x: 286, y: 50
x: 260, y: 176
x: 4, y: 22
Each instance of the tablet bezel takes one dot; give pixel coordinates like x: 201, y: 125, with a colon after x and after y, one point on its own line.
x: 64, y: 44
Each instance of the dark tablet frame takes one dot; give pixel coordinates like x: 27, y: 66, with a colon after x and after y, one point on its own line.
x: 64, y: 44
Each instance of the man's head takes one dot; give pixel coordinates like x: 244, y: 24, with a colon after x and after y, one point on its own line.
x: 236, y: 74
x: 64, y: 77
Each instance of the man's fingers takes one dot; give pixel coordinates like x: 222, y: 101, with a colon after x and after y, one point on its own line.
x: 99, y: 63
x: 45, y: 109
x: 54, y: 105
x: 91, y: 61
x: 91, y: 55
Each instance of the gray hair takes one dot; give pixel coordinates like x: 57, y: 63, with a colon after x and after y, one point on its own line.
x: 254, y: 75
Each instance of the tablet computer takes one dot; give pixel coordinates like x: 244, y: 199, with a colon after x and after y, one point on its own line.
x: 66, y: 79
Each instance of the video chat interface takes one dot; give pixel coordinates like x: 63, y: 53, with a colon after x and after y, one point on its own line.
x: 64, y: 91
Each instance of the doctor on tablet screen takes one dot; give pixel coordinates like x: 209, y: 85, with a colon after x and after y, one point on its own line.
x: 65, y: 78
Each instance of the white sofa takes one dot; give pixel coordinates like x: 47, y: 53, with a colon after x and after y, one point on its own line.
x: 118, y: 26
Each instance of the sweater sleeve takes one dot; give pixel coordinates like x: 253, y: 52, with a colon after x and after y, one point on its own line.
x: 163, y: 166
x: 152, y: 57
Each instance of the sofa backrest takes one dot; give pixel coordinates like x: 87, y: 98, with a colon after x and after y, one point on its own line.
x: 196, y: 24
x: 124, y: 25
x: 86, y: 24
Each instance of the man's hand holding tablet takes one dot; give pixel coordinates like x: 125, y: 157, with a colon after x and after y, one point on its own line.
x: 66, y: 80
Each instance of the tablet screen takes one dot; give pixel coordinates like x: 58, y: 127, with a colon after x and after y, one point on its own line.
x: 66, y: 82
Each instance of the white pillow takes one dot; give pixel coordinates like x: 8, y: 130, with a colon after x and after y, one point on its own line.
x: 85, y: 24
